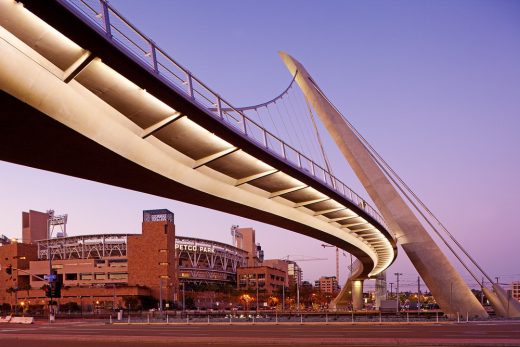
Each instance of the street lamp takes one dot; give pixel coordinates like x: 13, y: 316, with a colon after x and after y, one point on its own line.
x: 183, y: 297
x: 257, y: 285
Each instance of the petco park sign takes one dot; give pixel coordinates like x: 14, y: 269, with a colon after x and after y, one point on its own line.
x: 191, y: 247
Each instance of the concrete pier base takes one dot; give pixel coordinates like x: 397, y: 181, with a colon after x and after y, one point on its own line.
x: 510, y: 305
x: 357, y: 295
x: 495, y: 302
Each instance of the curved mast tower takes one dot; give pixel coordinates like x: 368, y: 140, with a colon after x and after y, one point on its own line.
x: 445, y: 283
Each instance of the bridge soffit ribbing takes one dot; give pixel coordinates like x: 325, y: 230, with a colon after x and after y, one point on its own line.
x: 160, y: 125
x: 286, y: 191
x: 215, y: 156
x: 81, y: 63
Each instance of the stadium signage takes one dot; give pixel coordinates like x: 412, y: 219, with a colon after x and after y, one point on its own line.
x: 194, y: 248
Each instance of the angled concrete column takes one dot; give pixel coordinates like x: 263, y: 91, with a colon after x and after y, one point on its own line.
x: 510, y: 305
x: 495, y: 302
x: 445, y: 283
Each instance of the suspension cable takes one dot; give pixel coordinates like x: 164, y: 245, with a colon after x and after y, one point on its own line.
x: 325, y: 158
x: 377, y: 157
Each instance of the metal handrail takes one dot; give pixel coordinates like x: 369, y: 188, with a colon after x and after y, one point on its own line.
x: 100, y: 21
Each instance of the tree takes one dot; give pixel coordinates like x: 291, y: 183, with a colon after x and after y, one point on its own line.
x: 131, y: 302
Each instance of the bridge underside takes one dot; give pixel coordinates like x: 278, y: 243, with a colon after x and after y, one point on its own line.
x: 83, y: 108
x: 49, y: 145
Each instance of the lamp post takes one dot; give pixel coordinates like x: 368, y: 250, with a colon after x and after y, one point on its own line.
x: 257, y: 285
x: 114, y: 300
x: 160, y: 295
x: 183, y: 297
x: 397, y: 274
x: 283, y: 297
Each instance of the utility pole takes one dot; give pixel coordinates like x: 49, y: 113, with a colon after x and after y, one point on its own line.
x: 397, y: 290
x: 391, y: 289
x: 160, y: 295
x: 283, y: 296
x: 418, y: 292
x: 482, y: 292
x: 257, y: 285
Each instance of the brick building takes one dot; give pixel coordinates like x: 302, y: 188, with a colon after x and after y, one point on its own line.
x: 96, y: 270
x: 267, y: 278
x: 515, y: 290
x: 327, y: 284
x: 151, y: 256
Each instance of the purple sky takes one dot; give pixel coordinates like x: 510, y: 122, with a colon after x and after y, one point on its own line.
x: 434, y: 86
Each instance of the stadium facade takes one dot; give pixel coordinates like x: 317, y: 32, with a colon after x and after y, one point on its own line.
x: 101, y: 270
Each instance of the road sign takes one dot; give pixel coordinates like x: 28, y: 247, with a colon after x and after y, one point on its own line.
x: 50, y: 278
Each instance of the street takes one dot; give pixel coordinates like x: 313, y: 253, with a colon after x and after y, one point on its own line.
x: 80, y: 333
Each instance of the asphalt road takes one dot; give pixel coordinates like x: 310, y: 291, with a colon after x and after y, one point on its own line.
x: 82, y: 334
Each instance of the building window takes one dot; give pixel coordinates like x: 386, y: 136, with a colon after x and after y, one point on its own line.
x: 71, y: 277
x: 163, y: 263
x: 118, y: 263
x: 57, y: 266
x: 100, y: 276
x: 118, y: 276
x: 85, y: 276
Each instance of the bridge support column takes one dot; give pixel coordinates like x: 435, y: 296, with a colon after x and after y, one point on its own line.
x: 357, y: 294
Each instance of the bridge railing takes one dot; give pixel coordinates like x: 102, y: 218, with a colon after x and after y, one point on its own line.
x: 120, y: 32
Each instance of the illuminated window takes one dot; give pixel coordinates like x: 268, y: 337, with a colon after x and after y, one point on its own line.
x: 118, y: 276
x: 85, y: 276
x: 118, y: 263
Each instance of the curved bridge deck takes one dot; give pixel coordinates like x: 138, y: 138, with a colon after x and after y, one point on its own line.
x: 88, y: 95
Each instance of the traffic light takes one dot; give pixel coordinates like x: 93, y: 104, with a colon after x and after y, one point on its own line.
x: 53, y: 290
x: 9, y: 269
x: 57, y: 290
x: 47, y: 289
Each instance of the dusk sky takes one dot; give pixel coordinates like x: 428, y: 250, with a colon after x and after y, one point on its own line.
x: 433, y: 86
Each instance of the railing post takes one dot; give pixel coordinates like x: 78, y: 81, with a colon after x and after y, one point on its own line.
x: 153, y: 55
x: 219, y: 108
x: 244, y: 127
x: 284, y: 152
x: 189, y: 82
x: 265, y: 140
x: 106, y: 17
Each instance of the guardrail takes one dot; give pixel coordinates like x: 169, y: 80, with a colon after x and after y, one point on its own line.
x: 143, y: 50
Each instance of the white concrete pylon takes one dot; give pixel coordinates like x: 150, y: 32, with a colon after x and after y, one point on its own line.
x: 445, y: 283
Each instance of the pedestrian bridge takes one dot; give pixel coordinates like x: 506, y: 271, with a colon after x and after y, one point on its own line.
x: 86, y: 94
